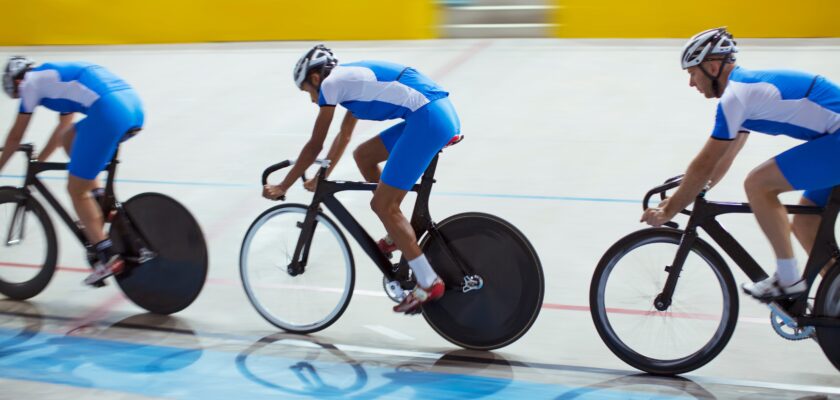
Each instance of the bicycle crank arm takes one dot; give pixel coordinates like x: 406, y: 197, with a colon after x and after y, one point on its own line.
x: 783, y: 315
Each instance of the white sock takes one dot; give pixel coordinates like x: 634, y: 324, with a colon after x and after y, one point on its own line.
x: 423, y: 271
x: 787, y: 271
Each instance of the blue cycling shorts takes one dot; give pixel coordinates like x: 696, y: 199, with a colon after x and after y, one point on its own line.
x: 813, y: 166
x: 413, y: 143
x: 98, y: 135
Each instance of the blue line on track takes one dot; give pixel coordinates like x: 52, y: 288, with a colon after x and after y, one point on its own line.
x: 449, y: 194
x: 185, y: 373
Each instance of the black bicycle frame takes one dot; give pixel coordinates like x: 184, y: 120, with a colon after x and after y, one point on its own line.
x: 108, y: 202
x: 325, y: 192
x: 704, y: 214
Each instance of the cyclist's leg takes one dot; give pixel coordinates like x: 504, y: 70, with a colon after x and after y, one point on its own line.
x: 426, y: 132
x: 804, y: 225
x: 375, y: 150
x: 96, y: 140
x: 811, y: 165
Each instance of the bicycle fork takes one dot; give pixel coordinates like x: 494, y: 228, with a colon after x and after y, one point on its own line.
x: 664, y: 299
x: 17, y: 227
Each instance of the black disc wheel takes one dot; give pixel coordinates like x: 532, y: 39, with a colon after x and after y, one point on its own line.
x: 173, y: 278
x: 507, y: 305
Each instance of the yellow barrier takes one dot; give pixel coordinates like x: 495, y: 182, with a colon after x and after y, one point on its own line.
x: 35, y: 22
x: 681, y: 19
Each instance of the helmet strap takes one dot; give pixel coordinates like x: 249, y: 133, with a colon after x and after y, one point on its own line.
x: 716, y: 79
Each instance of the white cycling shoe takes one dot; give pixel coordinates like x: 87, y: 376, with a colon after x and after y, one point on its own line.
x: 770, y: 289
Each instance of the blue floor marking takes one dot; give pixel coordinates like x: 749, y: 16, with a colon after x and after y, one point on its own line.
x: 183, y: 373
x: 450, y: 194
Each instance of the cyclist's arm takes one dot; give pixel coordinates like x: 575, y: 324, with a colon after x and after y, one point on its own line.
x: 723, y: 166
x: 14, y: 137
x: 64, y: 122
x: 341, y: 140
x: 312, y: 148
x: 698, y: 174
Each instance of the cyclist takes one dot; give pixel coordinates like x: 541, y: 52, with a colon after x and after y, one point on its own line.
x: 797, y: 104
x: 113, y: 114
x: 377, y: 90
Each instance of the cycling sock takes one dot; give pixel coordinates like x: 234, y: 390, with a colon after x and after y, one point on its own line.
x: 104, y: 250
x: 423, y: 271
x: 786, y: 271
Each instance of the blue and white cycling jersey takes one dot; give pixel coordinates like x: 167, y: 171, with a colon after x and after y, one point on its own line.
x: 378, y: 90
x: 67, y: 87
x: 796, y: 104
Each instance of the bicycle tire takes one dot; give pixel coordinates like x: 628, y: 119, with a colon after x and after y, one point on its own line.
x: 37, y: 283
x: 690, y: 362
x: 280, y: 279
x: 174, y: 278
x: 827, y: 304
x: 506, y: 307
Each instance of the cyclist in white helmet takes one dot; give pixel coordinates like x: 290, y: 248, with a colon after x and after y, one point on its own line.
x: 378, y: 90
x: 113, y: 113
x: 797, y: 104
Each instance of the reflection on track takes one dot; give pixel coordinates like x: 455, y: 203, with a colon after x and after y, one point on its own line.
x: 163, y: 357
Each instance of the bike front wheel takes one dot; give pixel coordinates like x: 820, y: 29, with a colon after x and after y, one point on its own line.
x: 28, y: 246
x: 296, y: 301
x: 507, y: 305
x: 689, y: 332
x: 827, y: 304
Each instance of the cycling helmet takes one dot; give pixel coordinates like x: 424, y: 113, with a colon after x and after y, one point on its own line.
x: 15, y: 68
x: 704, y: 45
x: 713, y: 42
x: 317, y: 57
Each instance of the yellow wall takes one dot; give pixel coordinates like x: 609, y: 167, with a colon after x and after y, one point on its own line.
x: 32, y: 22
x: 681, y: 18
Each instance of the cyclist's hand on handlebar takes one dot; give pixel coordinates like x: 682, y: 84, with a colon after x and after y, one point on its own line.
x: 273, y: 192
x: 311, y: 184
x: 656, y: 216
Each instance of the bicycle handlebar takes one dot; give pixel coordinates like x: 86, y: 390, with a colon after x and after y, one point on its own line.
x: 669, y: 184
x: 27, y: 148
x: 324, y: 163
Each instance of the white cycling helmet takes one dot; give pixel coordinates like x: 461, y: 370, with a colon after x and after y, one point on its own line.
x: 713, y: 42
x: 14, y: 70
x: 318, y: 56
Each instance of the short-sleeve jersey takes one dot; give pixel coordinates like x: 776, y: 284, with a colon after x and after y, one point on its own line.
x: 67, y: 87
x: 796, y: 104
x: 378, y: 90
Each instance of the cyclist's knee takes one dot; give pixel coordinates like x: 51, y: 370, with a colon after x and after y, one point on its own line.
x: 78, y: 187
x: 360, y: 156
x: 757, y: 184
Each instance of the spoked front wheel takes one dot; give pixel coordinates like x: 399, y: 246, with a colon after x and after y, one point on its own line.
x: 679, y: 337
x: 28, y: 247
x: 172, y: 279
x: 298, y: 301
x: 827, y: 304
x: 507, y: 304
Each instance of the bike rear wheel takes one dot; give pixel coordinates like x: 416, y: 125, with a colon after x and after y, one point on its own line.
x: 507, y: 305
x: 827, y: 304
x: 28, y: 246
x: 303, y: 302
x: 172, y: 280
x: 691, y: 331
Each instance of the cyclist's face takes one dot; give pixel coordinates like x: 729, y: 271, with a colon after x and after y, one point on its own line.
x: 312, y: 85
x: 698, y: 80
